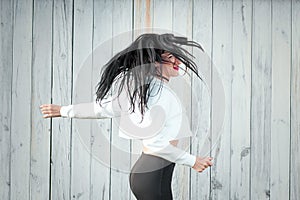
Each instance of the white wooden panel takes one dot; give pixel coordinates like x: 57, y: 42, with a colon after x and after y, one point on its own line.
x: 120, y: 147
x: 61, y: 95
x: 295, y: 104
x: 281, y: 65
x: 143, y: 16
x: 261, y: 100
x: 222, y: 59
x: 6, y: 69
x: 163, y: 23
x: 241, y: 95
x: 21, y: 100
x: 163, y: 15
x: 143, y: 23
x: 101, y: 129
x: 41, y: 93
x: 81, y: 129
x: 261, y: 172
x: 202, y: 33
x: 182, y: 21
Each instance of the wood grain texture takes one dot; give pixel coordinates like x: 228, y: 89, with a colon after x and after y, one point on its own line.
x: 221, y: 56
x: 261, y: 100
x: 120, y: 147
x: 143, y: 23
x: 21, y: 100
x: 41, y: 92
x: 143, y: 16
x: 6, y: 70
x: 280, y: 117
x: 295, y: 104
x: 182, y: 20
x: 82, y: 85
x: 61, y: 95
x: 241, y: 96
x: 253, y: 45
x: 101, y: 129
x: 163, y: 15
x: 201, y: 116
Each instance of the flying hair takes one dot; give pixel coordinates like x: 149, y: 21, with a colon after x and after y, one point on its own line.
x: 133, y: 68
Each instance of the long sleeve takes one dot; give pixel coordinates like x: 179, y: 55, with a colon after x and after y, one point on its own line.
x: 159, y: 146
x: 90, y: 110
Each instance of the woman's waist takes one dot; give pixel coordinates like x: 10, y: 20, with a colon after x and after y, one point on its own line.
x: 148, y: 150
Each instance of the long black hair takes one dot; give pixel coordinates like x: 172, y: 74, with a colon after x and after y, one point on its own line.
x: 133, y: 68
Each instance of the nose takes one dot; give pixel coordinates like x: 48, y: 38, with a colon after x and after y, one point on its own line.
x: 177, y: 61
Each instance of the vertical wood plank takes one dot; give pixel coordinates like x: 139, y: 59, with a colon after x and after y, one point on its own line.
x: 295, y: 103
x: 21, y: 100
x: 163, y: 15
x: 120, y: 147
x: 81, y: 129
x: 143, y: 16
x: 41, y: 92
x: 280, y: 124
x: 6, y: 70
x: 61, y: 95
x: 241, y: 95
x: 101, y: 129
x: 182, y: 18
x: 260, y: 100
x: 143, y: 23
x: 222, y: 58
x: 202, y: 33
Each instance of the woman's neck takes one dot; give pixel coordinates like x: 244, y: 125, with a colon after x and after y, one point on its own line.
x: 163, y: 78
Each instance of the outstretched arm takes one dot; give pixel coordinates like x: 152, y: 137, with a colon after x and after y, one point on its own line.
x: 83, y: 110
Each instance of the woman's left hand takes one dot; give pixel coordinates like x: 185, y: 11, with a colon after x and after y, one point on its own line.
x: 202, y: 163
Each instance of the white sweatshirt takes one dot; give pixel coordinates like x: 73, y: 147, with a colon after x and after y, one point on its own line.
x: 158, y: 128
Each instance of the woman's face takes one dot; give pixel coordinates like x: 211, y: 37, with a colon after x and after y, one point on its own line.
x: 169, y: 65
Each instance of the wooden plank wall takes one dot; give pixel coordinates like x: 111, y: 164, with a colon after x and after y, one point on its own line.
x: 48, y: 46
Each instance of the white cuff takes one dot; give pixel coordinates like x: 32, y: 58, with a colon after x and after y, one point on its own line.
x: 67, y: 111
x: 190, y: 160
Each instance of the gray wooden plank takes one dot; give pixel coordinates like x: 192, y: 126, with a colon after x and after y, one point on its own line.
x: 163, y: 16
x: 41, y: 92
x: 101, y: 129
x: 280, y: 117
x: 6, y: 70
x: 222, y: 45
x: 295, y: 103
x: 143, y: 23
x: 21, y: 100
x: 143, y: 16
x: 202, y: 33
x: 61, y: 95
x: 241, y: 95
x: 183, y: 18
x: 82, y: 92
x: 120, y: 147
x: 260, y: 101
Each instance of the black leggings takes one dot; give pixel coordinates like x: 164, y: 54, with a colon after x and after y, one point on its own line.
x: 151, y: 177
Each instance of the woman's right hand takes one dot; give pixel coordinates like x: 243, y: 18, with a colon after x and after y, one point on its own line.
x: 50, y: 110
x: 202, y: 163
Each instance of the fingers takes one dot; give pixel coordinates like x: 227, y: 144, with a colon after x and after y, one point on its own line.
x: 202, y: 163
x: 50, y: 110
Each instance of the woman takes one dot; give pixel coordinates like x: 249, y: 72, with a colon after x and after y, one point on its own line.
x: 142, y: 71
